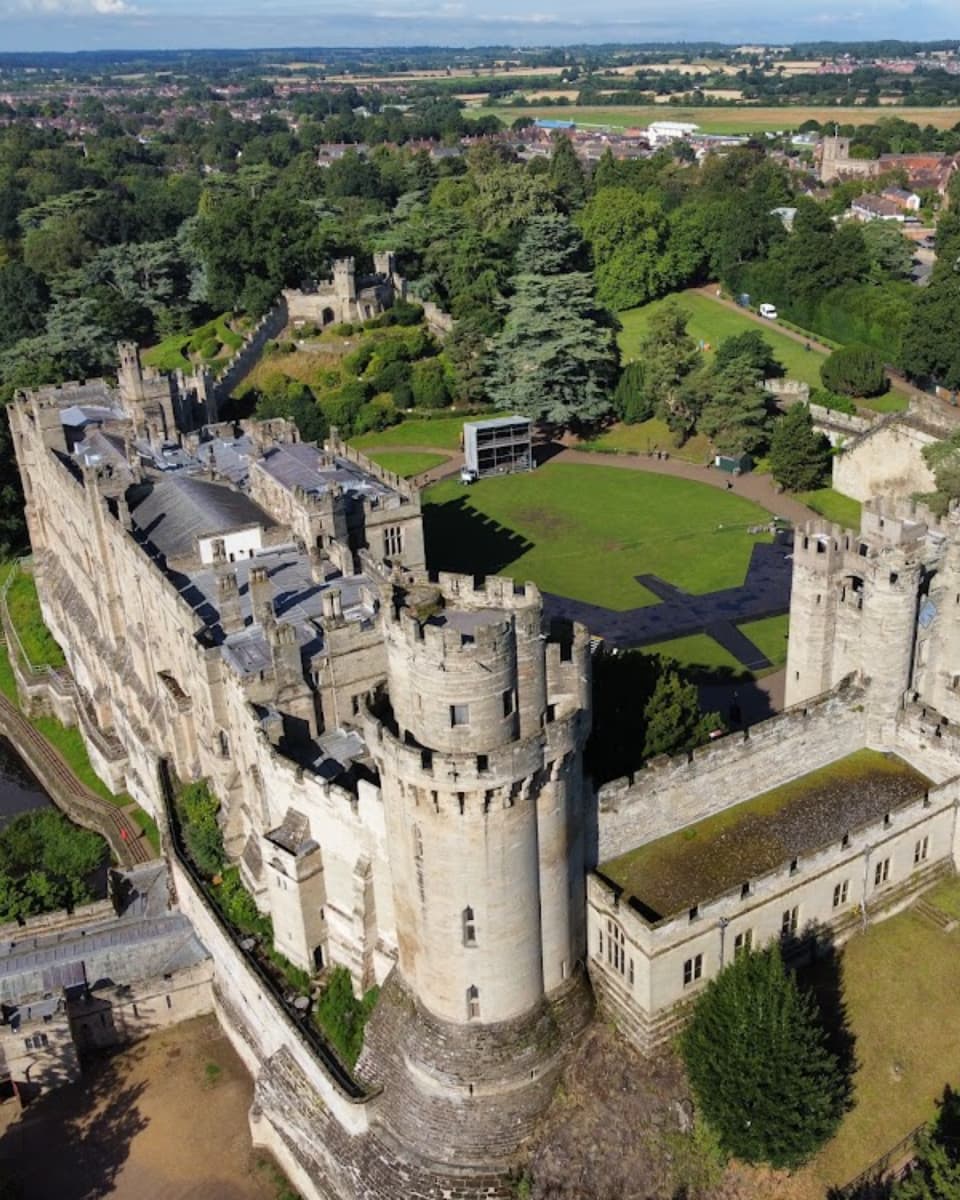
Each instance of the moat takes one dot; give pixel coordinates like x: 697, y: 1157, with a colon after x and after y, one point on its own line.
x: 19, y: 790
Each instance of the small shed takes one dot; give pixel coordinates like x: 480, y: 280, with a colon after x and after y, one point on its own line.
x: 499, y: 446
x: 734, y: 464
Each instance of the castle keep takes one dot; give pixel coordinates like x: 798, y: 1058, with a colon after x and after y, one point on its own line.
x: 398, y: 758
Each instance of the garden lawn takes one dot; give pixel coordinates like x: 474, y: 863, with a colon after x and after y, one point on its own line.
x: 889, y: 402
x: 711, y: 323
x: 23, y: 604
x: 698, y: 652
x: 901, y: 989
x: 650, y: 435
x: 406, y: 463
x: 770, y: 636
x: 443, y: 432
x: 69, y: 742
x: 175, y: 351
x: 587, y: 531
x: 836, y: 507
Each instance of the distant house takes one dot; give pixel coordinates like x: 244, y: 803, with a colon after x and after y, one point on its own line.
x: 661, y: 133
x: 908, y: 201
x: 786, y: 217
x: 875, y: 208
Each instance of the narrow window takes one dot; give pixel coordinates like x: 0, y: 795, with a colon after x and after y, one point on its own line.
x: 845, y: 842
x: 469, y: 928
x: 694, y: 912
x: 790, y: 921
x: 630, y: 973
x: 744, y: 890
x: 459, y: 714
x: 840, y: 893
x: 473, y: 1002
x: 794, y: 865
x: 616, y: 947
x: 881, y: 872
x: 508, y: 702
x: 886, y: 821
x: 692, y: 969
x: 224, y: 744
x: 920, y: 850
x: 743, y: 943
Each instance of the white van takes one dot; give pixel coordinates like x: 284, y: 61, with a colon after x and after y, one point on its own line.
x: 769, y: 311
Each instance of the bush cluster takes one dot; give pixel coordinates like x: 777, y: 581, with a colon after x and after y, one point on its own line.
x: 342, y: 1016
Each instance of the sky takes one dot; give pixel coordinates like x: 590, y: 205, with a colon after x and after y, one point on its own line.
x: 174, y: 24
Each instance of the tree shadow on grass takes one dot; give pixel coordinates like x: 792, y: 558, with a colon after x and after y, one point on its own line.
x: 461, y: 539
x: 72, y: 1142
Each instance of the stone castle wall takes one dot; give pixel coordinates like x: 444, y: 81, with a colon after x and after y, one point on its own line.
x: 886, y: 461
x: 672, y: 793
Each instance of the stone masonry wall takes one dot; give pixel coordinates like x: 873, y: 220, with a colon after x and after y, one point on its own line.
x: 671, y: 793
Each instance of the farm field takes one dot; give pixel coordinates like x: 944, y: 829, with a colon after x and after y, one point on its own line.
x: 711, y: 323
x: 586, y: 531
x: 733, y: 119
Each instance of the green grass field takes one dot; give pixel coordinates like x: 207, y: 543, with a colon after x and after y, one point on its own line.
x: 836, y: 507
x: 23, y: 606
x: 586, y: 531
x: 443, y: 433
x: 888, y: 403
x: 711, y: 323
x: 770, y: 636
x: 741, y: 118
x: 701, y: 653
x: 407, y: 462
x: 650, y: 435
x: 901, y: 989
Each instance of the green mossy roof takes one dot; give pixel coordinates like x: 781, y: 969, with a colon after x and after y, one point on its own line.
x: 722, y: 852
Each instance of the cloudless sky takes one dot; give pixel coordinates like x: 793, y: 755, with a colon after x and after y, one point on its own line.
x: 168, y: 24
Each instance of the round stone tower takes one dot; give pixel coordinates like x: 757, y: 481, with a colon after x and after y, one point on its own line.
x: 479, y: 742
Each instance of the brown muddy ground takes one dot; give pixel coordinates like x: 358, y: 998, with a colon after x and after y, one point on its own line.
x: 165, y: 1119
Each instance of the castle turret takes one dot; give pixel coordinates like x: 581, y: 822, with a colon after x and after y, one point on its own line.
x: 479, y: 749
x: 345, y: 280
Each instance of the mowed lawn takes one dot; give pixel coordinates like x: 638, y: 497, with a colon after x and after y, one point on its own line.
x: 587, y: 531
x: 700, y: 652
x: 443, y: 433
x: 711, y: 323
x: 901, y: 988
x: 741, y: 118
x: 407, y: 463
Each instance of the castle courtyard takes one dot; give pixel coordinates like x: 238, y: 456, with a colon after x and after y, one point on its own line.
x: 164, y: 1119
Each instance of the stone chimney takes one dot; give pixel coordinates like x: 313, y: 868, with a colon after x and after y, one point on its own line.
x: 332, y: 604
x: 228, y: 602
x: 261, y: 596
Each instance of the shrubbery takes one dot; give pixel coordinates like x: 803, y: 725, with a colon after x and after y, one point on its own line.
x: 45, y: 864
x: 198, y: 808
x: 855, y: 370
x: 342, y: 1016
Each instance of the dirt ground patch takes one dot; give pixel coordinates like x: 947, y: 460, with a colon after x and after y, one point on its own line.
x: 164, y: 1119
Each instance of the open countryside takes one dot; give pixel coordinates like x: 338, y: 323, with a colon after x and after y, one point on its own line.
x: 745, y: 118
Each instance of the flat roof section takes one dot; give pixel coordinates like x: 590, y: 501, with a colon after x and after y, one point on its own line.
x: 719, y: 854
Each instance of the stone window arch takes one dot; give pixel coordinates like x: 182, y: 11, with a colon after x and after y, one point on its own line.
x: 469, y: 927
x: 473, y: 1003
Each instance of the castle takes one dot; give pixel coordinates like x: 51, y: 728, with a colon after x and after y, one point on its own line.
x: 398, y: 758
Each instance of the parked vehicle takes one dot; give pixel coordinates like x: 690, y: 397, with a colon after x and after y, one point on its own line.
x: 768, y: 311
x: 468, y: 475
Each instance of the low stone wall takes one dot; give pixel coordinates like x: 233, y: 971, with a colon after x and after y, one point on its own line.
x: 671, y: 793
x: 57, y: 922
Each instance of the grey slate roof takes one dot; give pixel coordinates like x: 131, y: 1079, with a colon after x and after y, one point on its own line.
x: 178, y: 509
x: 300, y: 464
